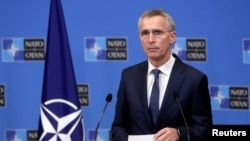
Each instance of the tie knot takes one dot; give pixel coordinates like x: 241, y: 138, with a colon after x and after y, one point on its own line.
x: 156, y: 72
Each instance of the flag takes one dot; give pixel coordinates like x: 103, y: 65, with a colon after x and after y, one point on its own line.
x: 60, y: 111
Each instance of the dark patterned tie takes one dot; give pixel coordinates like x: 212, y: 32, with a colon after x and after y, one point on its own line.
x: 154, y: 99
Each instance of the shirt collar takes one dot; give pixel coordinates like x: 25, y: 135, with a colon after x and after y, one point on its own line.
x: 165, y: 68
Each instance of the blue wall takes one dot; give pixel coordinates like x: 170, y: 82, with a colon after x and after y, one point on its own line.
x: 224, y: 24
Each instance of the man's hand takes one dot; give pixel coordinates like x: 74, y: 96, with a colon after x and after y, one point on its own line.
x: 167, y: 134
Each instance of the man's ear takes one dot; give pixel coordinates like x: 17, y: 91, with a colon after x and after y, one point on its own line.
x: 172, y: 37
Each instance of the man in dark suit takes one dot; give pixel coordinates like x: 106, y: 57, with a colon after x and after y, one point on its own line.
x: 177, y: 83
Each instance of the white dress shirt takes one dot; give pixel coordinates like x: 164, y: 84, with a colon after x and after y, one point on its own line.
x: 163, y: 78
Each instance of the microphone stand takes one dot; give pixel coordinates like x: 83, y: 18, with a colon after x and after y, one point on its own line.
x: 176, y: 96
x: 99, y: 122
x: 108, y: 99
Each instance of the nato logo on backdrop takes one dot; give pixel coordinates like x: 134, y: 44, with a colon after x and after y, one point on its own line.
x: 246, y: 51
x: 190, y: 49
x: 23, y: 49
x: 2, y: 95
x: 105, y: 49
x: 83, y: 93
x: 103, y: 135
x: 229, y: 97
x: 20, y: 135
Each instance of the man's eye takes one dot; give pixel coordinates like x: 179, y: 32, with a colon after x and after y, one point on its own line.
x: 157, y: 32
x: 144, y: 33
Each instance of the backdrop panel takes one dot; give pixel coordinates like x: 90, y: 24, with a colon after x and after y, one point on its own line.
x: 213, y: 36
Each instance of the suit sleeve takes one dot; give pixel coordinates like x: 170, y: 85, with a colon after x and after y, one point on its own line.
x: 201, y: 117
x: 120, y: 125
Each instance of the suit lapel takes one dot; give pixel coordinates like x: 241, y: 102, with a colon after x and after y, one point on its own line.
x: 142, y: 91
x: 174, y: 83
x: 175, y: 80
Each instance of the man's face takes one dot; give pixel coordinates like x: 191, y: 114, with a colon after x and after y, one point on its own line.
x: 156, y: 38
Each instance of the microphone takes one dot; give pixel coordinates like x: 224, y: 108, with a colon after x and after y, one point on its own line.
x: 176, y: 96
x: 108, y: 99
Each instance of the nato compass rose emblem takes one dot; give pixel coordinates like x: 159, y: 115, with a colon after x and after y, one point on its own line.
x: 56, y: 124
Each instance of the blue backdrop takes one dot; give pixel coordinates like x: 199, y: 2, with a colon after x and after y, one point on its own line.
x: 223, y: 26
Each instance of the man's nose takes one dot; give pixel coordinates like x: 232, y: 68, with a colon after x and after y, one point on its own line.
x: 151, y: 37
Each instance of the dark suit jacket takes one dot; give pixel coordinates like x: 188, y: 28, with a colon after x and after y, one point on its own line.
x: 132, y: 115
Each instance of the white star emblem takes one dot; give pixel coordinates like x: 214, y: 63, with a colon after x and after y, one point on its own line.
x: 13, y: 50
x: 219, y: 97
x: 95, y: 49
x: 62, y: 122
x: 176, y: 49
